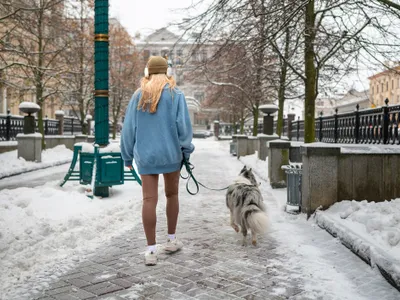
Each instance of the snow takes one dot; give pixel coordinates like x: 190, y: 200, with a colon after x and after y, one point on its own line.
x: 44, y: 226
x: 378, y: 223
x: 12, y: 165
x: 86, y: 147
x: 113, y: 147
x: 8, y: 144
x: 29, y: 105
x: 59, y: 113
x: 260, y: 167
x: 46, y: 230
x: 35, y: 135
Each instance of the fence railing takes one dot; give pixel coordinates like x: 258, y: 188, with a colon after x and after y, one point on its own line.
x: 72, y: 126
x: 11, y: 126
x: 369, y: 126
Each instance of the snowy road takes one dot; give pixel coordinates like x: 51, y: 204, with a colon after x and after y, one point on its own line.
x: 34, y: 178
x: 296, y: 260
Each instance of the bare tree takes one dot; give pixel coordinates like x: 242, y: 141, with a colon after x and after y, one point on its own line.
x: 125, y: 70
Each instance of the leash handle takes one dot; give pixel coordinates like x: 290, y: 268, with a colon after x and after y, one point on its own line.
x: 189, y: 167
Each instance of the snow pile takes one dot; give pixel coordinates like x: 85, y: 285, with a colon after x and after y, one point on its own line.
x: 12, y: 165
x: 378, y: 223
x: 260, y: 167
x: 46, y: 228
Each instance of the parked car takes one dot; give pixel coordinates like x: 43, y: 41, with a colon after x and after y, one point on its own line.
x: 202, y: 134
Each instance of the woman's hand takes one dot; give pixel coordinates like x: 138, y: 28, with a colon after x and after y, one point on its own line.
x: 130, y: 168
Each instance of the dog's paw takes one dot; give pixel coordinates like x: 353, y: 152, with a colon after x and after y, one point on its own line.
x: 254, y: 242
x: 235, y: 227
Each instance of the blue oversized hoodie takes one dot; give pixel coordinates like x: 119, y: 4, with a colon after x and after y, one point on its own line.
x: 157, y: 141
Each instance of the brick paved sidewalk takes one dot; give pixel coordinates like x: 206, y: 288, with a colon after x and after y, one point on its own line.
x: 213, y: 264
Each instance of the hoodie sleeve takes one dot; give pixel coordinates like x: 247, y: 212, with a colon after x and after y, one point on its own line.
x: 184, y: 125
x: 128, y: 135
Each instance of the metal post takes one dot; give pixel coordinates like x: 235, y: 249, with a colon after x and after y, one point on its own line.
x: 386, y: 122
x: 320, y: 135
x: 101, y: 93
x: 72, y: 126
x: 336, y: 126
x: 46, y: 126
x: 357, y: 125
x: 8, y: 125
x: 298, y: 128
x: 101, y: 73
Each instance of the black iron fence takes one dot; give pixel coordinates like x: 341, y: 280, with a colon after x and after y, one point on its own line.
x: 72, y: 126
x: 11, y: 125
x: 369, y: 126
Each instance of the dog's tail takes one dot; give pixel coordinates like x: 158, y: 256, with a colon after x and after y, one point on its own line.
x: 257, y: 221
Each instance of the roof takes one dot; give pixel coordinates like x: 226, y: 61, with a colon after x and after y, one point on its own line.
x: 391, y: 70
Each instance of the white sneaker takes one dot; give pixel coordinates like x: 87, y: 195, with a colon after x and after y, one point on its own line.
x: 150, y: 258
x: 173, y: 246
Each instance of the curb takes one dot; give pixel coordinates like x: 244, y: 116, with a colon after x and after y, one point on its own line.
x: 59, y: 163
x: 387, y: 265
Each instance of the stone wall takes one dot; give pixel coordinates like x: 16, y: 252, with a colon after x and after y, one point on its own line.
x: 333, y: 173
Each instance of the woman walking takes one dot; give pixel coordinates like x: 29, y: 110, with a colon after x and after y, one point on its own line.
x: 157, y: 134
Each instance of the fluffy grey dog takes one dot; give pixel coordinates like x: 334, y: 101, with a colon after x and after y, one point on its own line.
x: 246, y: 205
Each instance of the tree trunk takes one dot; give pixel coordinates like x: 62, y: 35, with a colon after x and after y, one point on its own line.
x: 282, y: 85
x: 255, y: 120
x: 310, y: 74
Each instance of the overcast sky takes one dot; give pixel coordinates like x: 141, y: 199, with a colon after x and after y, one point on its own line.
x: 146, y: 15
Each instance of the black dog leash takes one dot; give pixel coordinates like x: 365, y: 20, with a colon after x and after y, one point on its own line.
x: 189, y: 168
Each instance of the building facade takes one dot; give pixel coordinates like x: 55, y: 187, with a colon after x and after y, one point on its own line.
x: 182, y: 57
x: 384, y: 85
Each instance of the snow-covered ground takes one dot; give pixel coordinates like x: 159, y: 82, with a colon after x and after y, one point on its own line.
x: 378, y: 223
x: 45, y: 229
x: 11, y: 164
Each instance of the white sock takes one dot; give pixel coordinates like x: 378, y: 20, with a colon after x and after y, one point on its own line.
x: 171, y: 237
x: 151, y: 248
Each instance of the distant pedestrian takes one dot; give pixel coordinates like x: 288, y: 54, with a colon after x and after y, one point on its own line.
x: 157, y: 134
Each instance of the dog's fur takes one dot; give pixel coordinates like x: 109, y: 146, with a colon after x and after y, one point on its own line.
x: 246, y: 206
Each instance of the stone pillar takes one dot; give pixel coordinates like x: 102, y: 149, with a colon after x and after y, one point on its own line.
x: 320, y: 177
x: 278, y: 152
x: 268, y: 125
x: 241, y: 149
x: 263, y: 140
x: 89, y: 124
x: 216, y: 129
x: 60, y: 117
x: 290, y: 118
x: 252, y: 145
x: 30, y: 146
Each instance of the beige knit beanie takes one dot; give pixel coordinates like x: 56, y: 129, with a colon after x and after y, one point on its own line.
x: 157, y: 65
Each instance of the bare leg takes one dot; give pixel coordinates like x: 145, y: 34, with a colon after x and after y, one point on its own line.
x: 150, y: 199
x: 171, y: 183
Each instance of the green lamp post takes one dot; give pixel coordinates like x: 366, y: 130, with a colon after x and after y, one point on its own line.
x: 103, y: 167
x: 101, y: 54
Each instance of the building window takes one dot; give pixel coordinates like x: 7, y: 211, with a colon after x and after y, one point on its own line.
x: 382, y: 87
x: 387, y: 86
x: 392, y: 84
x: 372, y: 91
x: 398, y: 99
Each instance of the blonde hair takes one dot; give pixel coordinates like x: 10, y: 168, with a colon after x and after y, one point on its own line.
x: 152, y: 88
